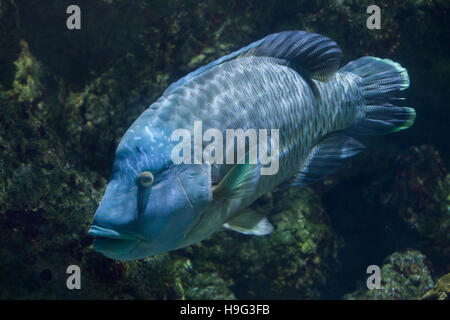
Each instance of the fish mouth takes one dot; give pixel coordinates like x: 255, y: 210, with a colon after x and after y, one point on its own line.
x: 114, y: 245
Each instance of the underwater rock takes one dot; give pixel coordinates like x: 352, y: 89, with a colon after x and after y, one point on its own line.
x: 46, y: 206
x: 295, y: 261
x: 202, y: 285
x: 161, y: 277
x: 66, y: 99
x: 441, y: 291
x: 404, y: 276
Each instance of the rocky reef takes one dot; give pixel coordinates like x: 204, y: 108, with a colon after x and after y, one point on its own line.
x: 67, y: 97
x: 405, y: 276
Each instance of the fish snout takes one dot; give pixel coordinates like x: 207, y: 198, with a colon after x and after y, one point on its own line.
x: 117, y: 211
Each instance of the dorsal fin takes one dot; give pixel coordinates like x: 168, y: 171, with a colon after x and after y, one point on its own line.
x: 313, y: 55
x: 316, y: 55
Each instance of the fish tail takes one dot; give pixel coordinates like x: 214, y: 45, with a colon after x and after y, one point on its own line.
x: 381, y: 81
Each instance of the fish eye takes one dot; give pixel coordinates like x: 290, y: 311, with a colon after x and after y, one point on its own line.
x: 146, y: 179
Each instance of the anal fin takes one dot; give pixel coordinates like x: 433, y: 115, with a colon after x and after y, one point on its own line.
x: 326, y: 157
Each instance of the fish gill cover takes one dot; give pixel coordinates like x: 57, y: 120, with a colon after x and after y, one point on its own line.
x: 68, y: 96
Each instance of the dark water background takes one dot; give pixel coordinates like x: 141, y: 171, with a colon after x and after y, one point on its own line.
x: 67, y: 97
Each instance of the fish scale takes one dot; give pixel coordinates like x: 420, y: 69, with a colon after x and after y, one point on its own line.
x: 288, y: 81
x: 266, y: 95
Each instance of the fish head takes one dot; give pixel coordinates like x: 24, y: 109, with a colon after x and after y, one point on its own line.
x: 149, y: 209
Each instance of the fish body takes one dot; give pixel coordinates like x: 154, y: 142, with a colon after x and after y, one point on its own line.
x: 289, y: 82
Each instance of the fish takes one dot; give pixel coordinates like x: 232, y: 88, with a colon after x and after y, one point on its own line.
x: 290, y: 84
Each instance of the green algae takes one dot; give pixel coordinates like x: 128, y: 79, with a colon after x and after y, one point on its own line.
x: 441, y: 290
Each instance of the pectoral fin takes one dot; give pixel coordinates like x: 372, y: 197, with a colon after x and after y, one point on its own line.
x: 250, y: 222
x: 239, y: 182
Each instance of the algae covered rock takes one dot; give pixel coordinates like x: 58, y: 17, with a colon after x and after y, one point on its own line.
x: 46, y: 207
x: 441, y: 291
x: 404, y: 276
x: 45, y: 202
x: 295, y: 261
x: 165, y: 276
x: 202, y: 285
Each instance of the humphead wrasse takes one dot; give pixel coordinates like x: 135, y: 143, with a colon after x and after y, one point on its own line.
x: 289, y: 81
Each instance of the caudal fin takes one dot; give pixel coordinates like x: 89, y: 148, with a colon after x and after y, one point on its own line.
x: 381, y: 80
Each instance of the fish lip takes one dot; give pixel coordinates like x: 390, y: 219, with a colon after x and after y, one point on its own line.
x: 97, y: 231
x: 105, y: 234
